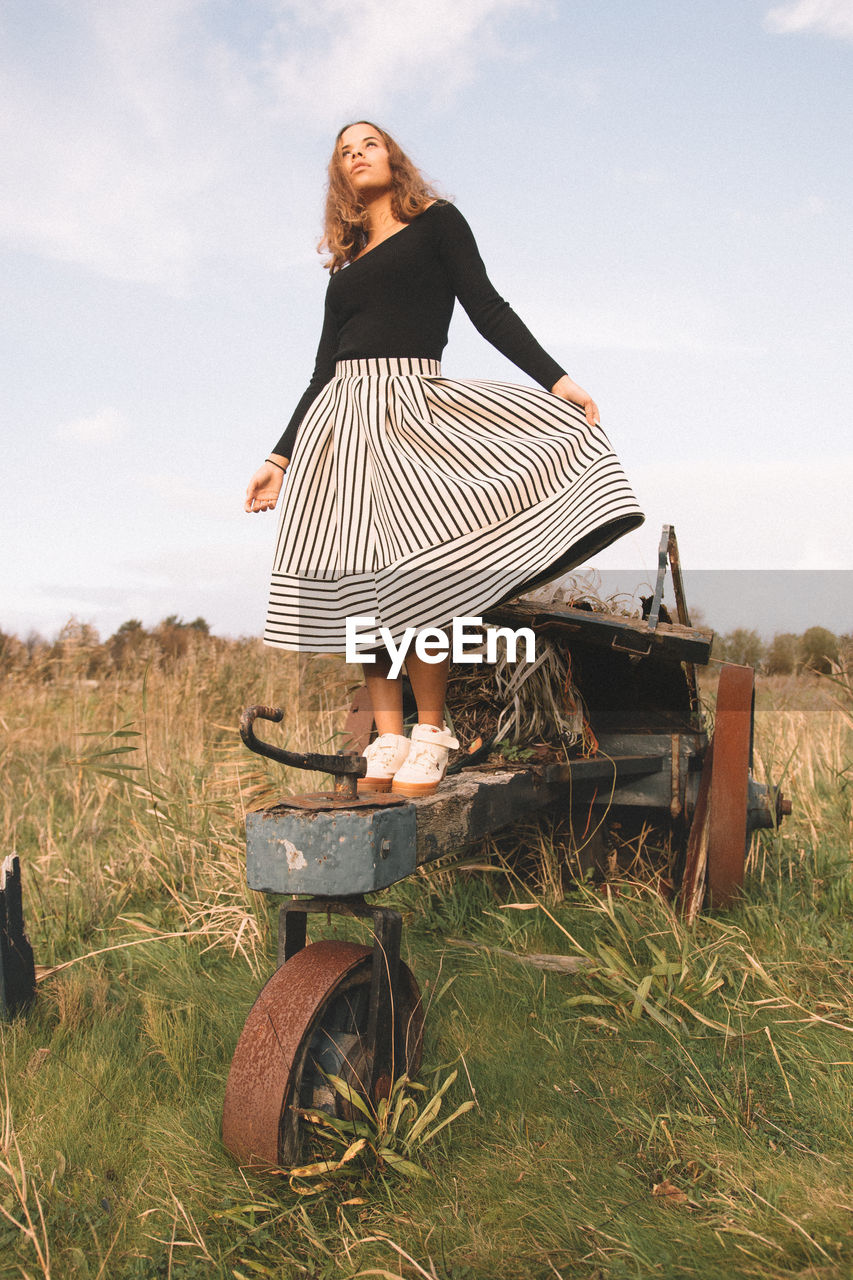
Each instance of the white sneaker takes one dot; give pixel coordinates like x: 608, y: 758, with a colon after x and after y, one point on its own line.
x: 384, y: 757
x: 426, y: 763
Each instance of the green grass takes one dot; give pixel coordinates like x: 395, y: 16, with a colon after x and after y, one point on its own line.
x: 677, y: 1108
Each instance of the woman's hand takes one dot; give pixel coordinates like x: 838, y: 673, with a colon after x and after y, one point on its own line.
x: 570, y: 390
x: 265, y: 486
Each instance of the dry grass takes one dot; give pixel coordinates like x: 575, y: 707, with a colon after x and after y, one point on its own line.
x: 677, y: 1105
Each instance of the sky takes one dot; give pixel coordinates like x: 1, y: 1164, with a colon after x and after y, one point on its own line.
x: 662, y: 191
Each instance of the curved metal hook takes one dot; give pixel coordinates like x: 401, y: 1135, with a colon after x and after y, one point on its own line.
x: 340, y: 766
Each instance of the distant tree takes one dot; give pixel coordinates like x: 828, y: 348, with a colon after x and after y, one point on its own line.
x: 845, y: 651
x: 175, y: 622
x: 781, y: 657
x: 77, y: 635
x: 76, y: 651
x: 746, y: 648
x: 818, y: 650
x: 127, y: 641
x: 35, y: 643
x: 172, y: 635
x: 12, y: 652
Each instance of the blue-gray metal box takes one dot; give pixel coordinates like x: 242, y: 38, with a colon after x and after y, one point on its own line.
x: 331, y: 852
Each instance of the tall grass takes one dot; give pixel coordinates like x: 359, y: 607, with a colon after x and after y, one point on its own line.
x: 676, y: 1104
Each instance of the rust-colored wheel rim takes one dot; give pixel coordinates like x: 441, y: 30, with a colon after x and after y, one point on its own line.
x: 727, y: 836
x: 310, y: 1017
x: 717, y: 843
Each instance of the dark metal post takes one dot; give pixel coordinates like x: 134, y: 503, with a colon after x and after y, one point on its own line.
x: 17, y: 968
x: 292, y: 930
x: 387, y: 932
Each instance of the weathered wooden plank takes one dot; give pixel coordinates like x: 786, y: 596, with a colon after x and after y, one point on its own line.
x: 474, y: 804
x: 669, y: 640
x: 537, y: 960
x: 337, y: 851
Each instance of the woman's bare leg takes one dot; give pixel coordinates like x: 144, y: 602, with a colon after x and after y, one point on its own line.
x: 429, y: 685
x: 386, y: 695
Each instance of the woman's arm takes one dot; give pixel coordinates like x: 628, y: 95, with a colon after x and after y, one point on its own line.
x: 568, y: 389
x: 494, y: 318
x: 265, y: 484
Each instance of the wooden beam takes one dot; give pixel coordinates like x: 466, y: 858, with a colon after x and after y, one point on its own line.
x: 669, y: 640
x: 476, y: 803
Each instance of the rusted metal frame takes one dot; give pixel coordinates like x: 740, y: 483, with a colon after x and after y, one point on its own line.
x: 345, y: 769
x: 384, y: 980
x: 676, y: 803
x: 677, y: 580
x: 291, y: 938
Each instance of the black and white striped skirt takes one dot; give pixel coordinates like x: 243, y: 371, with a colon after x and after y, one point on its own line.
x: 413, y: 499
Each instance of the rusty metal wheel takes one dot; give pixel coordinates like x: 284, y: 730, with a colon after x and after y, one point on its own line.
x: 720, y: 830
x: 310, y: 1018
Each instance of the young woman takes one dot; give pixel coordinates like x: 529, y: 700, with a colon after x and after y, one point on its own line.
x: 411, y: 498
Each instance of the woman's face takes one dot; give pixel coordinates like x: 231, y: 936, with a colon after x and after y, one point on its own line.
x: 364, y: 159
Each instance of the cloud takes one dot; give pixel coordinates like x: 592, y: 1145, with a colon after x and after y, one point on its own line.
x: 744, y: 512
x: 140, y: 140
x: 335, y: 59
x: 102, y: 427
x: 187, y: 498
x: 662, y: 323
x: 827, y: 17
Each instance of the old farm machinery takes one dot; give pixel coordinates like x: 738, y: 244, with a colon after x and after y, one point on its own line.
x: 335, y: 1008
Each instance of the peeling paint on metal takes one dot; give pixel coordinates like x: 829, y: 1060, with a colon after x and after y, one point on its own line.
x: 295, y: 857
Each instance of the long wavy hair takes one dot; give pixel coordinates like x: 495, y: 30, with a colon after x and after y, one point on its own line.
x: 345, y: 229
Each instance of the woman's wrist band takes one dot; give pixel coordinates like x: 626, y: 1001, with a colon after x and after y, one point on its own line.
x: 277, y: 464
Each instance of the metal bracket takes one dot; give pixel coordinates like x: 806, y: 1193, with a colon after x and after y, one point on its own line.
x: 668, y: 555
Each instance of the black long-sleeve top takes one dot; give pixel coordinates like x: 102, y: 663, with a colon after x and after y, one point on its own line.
x: 398, y: 299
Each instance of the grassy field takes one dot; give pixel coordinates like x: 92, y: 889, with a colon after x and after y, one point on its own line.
x: 679, y: 1107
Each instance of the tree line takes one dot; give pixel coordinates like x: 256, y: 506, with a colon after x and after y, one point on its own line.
x: 78, y: 649
x: 818, y: 649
